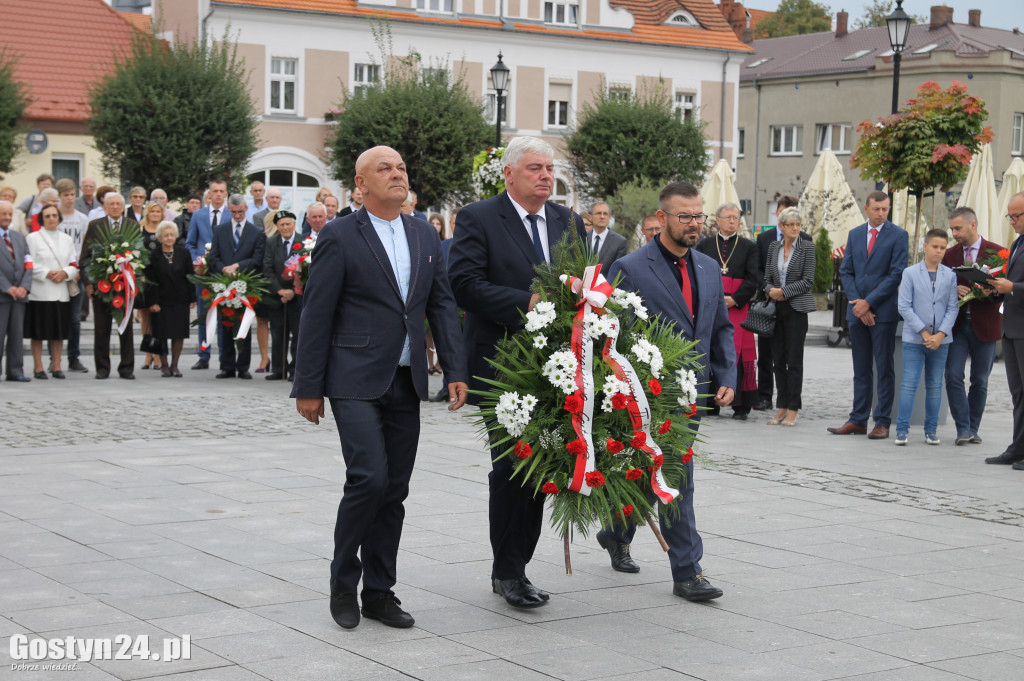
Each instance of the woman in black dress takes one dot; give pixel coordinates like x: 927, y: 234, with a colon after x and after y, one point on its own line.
x: 152, y: 215
x: 170, y: 294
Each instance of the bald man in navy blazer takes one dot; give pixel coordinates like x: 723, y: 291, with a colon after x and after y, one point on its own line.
x: 374, y: 275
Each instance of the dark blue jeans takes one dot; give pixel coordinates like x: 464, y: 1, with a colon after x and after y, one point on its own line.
x: 967, y: 407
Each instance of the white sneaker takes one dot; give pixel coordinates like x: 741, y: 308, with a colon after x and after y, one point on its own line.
x: 901, y: 439
x: 932, y: 439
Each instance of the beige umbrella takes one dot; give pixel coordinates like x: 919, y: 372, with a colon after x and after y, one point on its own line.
x: 979, y: 193
x: 828, y: 202
x: 1013, y: 183
x: 904, y: 214
x: 719, y: 188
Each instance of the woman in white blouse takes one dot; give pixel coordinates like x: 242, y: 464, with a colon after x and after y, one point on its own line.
x: 48, y: 317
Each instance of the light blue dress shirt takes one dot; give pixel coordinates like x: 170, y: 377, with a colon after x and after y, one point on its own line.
x: 396, y: 245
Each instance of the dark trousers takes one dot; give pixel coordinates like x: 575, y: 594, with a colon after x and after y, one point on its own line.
x: 378, y: 441
x: 966, y: 407
x: 685, y: 547
x: 1013, y: 357
x: 765, y: 369
x: 788, y: 354
x: 12, y: 337
x: 872, y: 348
x: 75, y: 336
x: 234, y: 357
x: 101, y: 346
x: 515, y: 519
x: 284, y: 320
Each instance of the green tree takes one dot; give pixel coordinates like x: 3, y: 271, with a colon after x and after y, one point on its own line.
x: 795, y: 17
x: 627, y: 139
x: 426, y: 115
x: 13, y: 102
x: 175, y: 117
x: 876, y: 12
x: 823, y: 269
x: 631, y: 203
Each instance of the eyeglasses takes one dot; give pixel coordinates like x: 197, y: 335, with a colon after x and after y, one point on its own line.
x: 687, y: 218
x: 650, y: 230
x: 1013, y: 217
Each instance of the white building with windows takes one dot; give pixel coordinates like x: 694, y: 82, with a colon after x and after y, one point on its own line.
x: 303, y: 54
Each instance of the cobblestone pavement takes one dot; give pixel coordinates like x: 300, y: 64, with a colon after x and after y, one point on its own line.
x: 205, y: 508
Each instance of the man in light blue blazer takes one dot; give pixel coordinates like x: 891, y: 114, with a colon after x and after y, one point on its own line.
x: 876, y: 255
x: 683, y: 286
x: 200, y: 233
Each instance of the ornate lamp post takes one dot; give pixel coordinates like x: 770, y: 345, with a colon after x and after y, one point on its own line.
x: 499, y: 79
x: 898, y: 24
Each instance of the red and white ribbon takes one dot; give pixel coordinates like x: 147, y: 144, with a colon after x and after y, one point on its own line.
x: 127, y: 272
x: 230, y: 293
x: 594, y: 291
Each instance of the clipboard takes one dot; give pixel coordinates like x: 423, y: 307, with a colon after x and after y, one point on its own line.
x: 974, y: 275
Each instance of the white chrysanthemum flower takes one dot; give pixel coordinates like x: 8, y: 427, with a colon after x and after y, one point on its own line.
x: 540, y: 342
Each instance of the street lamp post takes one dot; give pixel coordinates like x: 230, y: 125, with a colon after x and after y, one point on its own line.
x: 499, y: 80
x: 898, y: 24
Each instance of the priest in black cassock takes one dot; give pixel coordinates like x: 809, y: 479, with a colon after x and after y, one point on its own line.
x: 738, y: 259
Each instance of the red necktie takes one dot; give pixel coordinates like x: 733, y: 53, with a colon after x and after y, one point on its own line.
x: 871, y: 241
x: 687, y: 289
x: 10, y: 246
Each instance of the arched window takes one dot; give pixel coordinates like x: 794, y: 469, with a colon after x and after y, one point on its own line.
x: 298, y: 189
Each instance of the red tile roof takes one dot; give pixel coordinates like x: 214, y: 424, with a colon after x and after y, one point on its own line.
x: 142, y: 22
x: 60, y: 55
x: 649, y: 16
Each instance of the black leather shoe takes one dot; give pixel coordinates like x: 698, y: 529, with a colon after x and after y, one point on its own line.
x: 59, y: 374
x: 762, y: 405
x: 1004, y: 459
x: 344, y: 609
x: 201, y: 364
x: 696, y: 589
x: 77, y: 367
x: 1019, y: 466
x: 441, y: 396
x: 102, y: 376
x: 739, y: 416
x: 386, y: 610
x: 619, y: 552
x: 41, y: 375
x: 128, y: 377
x: 273, y: 377
x: 245, y: 375
x: 19, y: 379
x: 518, y: 592
x: 226, y: 374
x: 540, y: 592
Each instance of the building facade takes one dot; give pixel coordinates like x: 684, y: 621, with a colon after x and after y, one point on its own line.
x: 303, y: 55
x: 801, y: 94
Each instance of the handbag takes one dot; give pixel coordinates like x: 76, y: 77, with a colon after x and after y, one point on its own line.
x: 760, y: 318
x: 153, y: 344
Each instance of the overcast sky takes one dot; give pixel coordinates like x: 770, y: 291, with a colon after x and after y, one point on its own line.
x: 994, y: 13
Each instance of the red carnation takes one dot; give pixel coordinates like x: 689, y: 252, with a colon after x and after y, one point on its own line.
x: 296, y: 246
x: 627, y: 510
x: 634, y: 474
x: 523, y: 450
x: 658, y: 460
x: 595, y: 479
x: 205, y: 293
x: 688, y: 457
x: 103, y: 286
x: 574, y: 404
x: 118, y: 301
x: 654, y: 386
x: 693, y: 410
x: 119, y: 286
x: 665, y: 427
x: 614, y: 446
x: 549, y: 488
x: 639, y: 440
x: 577, y: 447
x: 228, y: 311
x: 619, y: 401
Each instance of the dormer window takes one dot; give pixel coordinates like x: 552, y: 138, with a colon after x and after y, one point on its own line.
x: 683, y: 18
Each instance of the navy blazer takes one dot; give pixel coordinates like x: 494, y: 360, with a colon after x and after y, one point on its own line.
x: 490, y: 265
x: 354, y: 321
x: 1013, y: 304
x: 876, y: 278
x: 646, y: 271
x: 248, y: 253
x: 200, y: 231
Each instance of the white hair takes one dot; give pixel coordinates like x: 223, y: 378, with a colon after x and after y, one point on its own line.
x: 152, y: 194
x: 519, y: 146
x: 316, y: 204
x: 48, y: 194
x: 112, y: 195
x: 727, y: 206
x: 236, y: 200
x: 165, y: 226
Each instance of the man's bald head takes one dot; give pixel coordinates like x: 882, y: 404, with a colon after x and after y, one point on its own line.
x: 383, y: 180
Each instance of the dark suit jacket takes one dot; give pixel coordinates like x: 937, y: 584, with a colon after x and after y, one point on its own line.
x: 613, y: 247
x: 273, y: 267
x: 347, y: 210
x: 646, y: 271
x: 200, y: 231
x: 354, y: 321
x: 764, y: 241
x: 876, y: 278
x: 491, y: 265
x: 799, y: 275
x: 1013, y: 304
x: 91, y: 235
x: 12, y: 270
x: 248, y: 253
x: 168, y: 283
x: 743, y: 264
x: 985, y: 318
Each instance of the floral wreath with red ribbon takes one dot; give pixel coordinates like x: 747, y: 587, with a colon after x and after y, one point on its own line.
x: 115, y: 266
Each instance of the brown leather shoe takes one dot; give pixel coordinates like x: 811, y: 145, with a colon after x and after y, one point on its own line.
x: 848, y: 429
x: 878, y: 433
